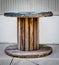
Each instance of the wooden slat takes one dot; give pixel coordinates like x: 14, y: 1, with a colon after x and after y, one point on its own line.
x: 18, y: 33
x: 31, y: 34
x: 22, y: 34
x: 26, y: 34
x: 37, y: 37
x: 35, y: 33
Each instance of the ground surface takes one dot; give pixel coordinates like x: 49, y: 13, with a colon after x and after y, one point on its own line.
x: 52, y: 59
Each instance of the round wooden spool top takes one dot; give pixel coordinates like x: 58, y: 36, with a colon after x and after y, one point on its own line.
x: 28, y: 14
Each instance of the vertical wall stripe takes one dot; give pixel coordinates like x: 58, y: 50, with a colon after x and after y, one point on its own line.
x: 29, y: 5
x: 0, y: 6
x: 58, y: 5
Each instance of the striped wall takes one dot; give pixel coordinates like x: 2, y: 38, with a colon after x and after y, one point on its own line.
x: 29, y: 5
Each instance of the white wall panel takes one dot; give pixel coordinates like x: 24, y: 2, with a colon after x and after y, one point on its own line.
x: 58, y: 5
x: 50, y: 26
x: 29, y: 5
x: 8, y: 29
x: 48, y: 29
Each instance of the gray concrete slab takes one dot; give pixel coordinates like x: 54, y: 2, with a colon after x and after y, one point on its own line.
x: 18, y: 61
x: 47, y: 62
x: 5, y: 61
x: 2, y: 53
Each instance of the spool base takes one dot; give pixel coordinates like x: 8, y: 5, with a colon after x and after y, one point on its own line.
x: 43, y: 51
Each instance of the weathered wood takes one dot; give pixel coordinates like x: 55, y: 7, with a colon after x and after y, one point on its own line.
x: 18, y: 33
x: 28, y: 14
x: 35, y: 33
x: 26, y: 34
x: 22, y: 26
x: 36, y: 46
x: 43, y: 51
x: 37, y: 28
x: 31, y: 33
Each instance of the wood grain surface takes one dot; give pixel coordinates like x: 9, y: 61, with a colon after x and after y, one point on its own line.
x: 41, y: 52
x: 35, y: 33
x: 18, y: 33
x: 28, y: 14
x: 31, y: 34
x: 22, y: 38
x: 27, y: 34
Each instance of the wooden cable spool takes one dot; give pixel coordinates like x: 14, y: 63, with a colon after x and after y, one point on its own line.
x: 27, y: 36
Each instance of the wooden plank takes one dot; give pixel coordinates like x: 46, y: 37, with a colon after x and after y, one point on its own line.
x: 18, y: 33
x: 26, y: 34
x: 43, y: 51
x: 37, y: 28
x: 31, y: 34
x: 35, y: 33
x: 22, y: 33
